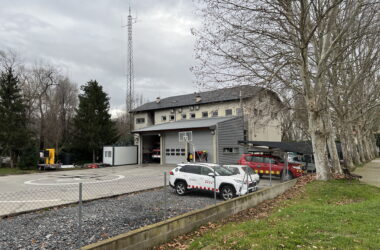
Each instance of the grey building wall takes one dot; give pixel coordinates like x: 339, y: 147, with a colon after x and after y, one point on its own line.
x: 229, y: 133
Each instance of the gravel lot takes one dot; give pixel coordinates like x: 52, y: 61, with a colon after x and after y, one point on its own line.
x: 57, y: 228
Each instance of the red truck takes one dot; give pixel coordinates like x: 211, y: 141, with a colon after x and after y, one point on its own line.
x: 263, y: 164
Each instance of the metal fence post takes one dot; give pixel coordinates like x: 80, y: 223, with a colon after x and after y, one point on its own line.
x: 214, y: 186
x: 80, y: 216
x: 270, y: 171
x: 165, y: 197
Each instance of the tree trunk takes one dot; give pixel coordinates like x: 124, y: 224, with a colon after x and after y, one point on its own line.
x: 347, y: 157
x: 11, y: 158
x: 360, y: 145
x: 332, y: 145
x: 318, y: 139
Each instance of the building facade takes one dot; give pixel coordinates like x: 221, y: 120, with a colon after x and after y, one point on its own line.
x: 258, y: 110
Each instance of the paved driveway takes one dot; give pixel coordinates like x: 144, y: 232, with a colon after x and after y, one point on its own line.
x: 370, y: 173
x: 20, y: 193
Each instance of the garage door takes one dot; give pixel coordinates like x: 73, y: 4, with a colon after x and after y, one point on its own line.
x: 174, y: 150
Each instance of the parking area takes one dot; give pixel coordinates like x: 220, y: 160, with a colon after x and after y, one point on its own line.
x: 28, y: 192
x: 20, y: 193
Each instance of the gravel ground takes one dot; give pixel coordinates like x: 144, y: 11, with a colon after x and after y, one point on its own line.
x: 57, y: 228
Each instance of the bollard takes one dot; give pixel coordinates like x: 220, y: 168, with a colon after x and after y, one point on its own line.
x: 80, y: 216
x: 165, y: 198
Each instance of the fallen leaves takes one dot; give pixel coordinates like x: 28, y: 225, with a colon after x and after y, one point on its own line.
x: 262, y: 210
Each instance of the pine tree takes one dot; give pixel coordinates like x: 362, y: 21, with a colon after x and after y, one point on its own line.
x: 13, y: 129
x: 93, y: 125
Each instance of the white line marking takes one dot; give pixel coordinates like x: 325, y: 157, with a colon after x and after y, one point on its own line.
x: 33, y: 182
x: 30, y: 201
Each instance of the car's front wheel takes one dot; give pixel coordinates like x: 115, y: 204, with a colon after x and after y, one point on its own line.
x: 227, y: 192
x: 180, y: 188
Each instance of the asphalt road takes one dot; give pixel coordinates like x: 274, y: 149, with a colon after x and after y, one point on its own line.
x: 20, y: 193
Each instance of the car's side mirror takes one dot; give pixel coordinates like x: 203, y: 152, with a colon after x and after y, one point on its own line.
x: 211, y: 174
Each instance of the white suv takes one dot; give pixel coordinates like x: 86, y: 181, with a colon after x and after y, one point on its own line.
x: 190, y: 176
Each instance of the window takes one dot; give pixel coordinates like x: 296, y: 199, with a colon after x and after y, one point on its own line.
x: 228, y: 112
x: 183, y: 116
x: 231, y: 150
x: 140, y: 120
x: 163, y: 118
x: 171, y: 117
x: 206, y: 171
x: 269, y: 160
x: 191, y: 108
x: 238, y: 111
x: 204, y: 114
x: 215, y: 113
x: 192, y: 169
x: 168, y: 151
x: 192, y: 115
x: 257, y: 159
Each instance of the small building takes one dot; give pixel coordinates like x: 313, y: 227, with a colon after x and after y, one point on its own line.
x: 213, y: 140
x: 119, y: 155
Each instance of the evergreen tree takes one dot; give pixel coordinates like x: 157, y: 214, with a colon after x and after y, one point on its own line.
x: 13, y: 129
x: 93, y: 125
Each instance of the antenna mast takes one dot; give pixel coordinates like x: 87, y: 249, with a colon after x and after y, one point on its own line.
x: 130, y: 73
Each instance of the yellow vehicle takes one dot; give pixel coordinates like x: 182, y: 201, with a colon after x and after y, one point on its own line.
x: 48, y: 158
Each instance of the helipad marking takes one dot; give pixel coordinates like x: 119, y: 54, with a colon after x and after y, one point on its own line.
x: 30, y: 201
x: 33, y: 182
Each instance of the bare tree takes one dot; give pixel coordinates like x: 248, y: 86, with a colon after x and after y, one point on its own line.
x: 280, y: 44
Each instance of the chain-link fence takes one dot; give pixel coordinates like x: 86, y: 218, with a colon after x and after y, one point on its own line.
x: 77, y: 210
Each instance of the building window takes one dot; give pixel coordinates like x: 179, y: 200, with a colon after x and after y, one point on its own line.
x: 204, y: 114
x: 215, y: 113
x: 192, y: 115
x: 171, y: 117
x: 183, y: 116
x: 228, y: 112
x: 231, y: 150
x: 163, y: 118
x: 238, y: 111
x: 140, y: 120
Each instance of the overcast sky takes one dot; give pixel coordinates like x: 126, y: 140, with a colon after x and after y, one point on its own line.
x: 85, y: 40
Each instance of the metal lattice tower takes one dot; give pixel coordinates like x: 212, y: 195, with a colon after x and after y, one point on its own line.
x: 130, y: 73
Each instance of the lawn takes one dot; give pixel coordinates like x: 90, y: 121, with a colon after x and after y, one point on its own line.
x: 335, y: 215
x: 12, y: 171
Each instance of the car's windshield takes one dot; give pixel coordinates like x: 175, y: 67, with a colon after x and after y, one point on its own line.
x: 222, y: 171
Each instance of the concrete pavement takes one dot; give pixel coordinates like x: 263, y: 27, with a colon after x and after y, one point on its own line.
x: 370, y: 173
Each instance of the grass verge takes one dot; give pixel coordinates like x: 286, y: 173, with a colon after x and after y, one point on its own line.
x: 337, y: 214
x: 16, y: 171
x: 13, y: 171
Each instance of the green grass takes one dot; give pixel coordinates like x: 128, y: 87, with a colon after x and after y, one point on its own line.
x: 13, y: 171
x: 333, y: 215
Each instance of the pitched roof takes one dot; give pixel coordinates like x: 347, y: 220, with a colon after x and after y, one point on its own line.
x: 185, y: 124
x: 219, y: 95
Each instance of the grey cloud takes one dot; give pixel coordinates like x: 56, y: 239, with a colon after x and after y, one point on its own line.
x: 85, y: 39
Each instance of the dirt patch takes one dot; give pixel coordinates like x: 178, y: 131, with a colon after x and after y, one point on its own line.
x: 262, y: 210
